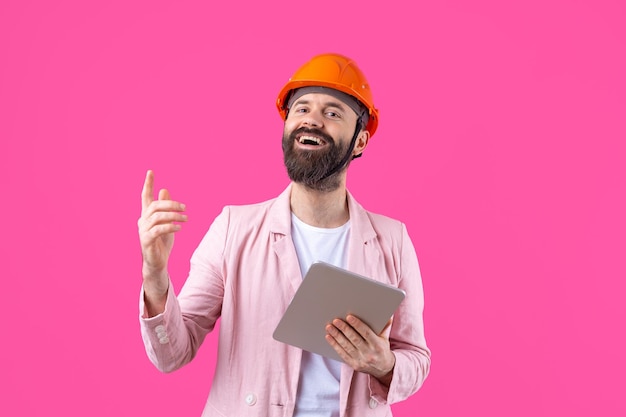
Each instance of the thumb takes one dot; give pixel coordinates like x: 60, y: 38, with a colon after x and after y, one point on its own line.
x: 164, y: 194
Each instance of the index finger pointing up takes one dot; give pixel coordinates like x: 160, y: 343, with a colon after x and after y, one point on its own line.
x: 147, y: 193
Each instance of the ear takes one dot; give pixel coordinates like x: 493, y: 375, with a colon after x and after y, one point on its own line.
x: 361, y: 142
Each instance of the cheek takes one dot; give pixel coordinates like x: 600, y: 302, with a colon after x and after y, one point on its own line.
x: 287, y: 130
x: 289, y: 124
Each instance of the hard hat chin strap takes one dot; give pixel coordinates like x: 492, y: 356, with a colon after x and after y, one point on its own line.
x: 348, y: 156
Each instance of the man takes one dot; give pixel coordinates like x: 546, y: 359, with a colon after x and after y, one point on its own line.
x: 251, y: 261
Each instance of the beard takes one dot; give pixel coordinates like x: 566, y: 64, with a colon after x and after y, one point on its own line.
x: 311, y: 167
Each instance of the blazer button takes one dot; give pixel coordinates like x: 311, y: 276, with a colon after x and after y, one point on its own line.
x: 250, y: 399
x: 160, y: 331
x: 373, y: 403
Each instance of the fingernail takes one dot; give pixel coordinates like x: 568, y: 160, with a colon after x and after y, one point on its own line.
x: 182, y: 207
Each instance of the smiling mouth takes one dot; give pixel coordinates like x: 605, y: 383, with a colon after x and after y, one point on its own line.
x: 311, y: 140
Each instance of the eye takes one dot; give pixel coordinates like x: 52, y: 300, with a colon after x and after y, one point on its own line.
x: 333, y: 114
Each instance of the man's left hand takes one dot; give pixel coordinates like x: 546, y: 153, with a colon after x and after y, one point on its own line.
x: 365, y: 351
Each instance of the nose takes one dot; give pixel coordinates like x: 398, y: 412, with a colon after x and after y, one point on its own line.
x: 313, y: 119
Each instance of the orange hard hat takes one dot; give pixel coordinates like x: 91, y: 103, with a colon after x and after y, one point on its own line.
x: 332, y: 71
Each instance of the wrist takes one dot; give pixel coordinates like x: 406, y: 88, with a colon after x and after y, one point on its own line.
x: 386, y: 378
x: 155, y: 297
x: 155, y: 284
x: 155, y: 278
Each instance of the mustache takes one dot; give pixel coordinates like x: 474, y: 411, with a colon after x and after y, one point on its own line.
x: 315, y: 132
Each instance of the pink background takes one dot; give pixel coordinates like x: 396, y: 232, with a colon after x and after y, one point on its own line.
x: 501, y: 145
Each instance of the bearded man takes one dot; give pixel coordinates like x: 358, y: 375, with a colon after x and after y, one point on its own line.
x: 252, y: 260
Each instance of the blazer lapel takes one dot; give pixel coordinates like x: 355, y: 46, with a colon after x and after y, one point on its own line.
x: 280, y: 228
x: 361, y: 252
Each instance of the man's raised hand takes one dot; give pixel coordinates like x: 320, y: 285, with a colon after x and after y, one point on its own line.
x: 158, y: 222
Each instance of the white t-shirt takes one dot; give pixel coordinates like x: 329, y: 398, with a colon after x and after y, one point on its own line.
x: 318, y: 387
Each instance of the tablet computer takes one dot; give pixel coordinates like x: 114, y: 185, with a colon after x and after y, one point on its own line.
x: 328, y: 292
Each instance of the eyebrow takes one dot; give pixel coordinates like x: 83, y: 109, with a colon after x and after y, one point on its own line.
x: 329, y: 103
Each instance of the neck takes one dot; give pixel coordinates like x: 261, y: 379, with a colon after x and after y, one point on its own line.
x: 326, y: 209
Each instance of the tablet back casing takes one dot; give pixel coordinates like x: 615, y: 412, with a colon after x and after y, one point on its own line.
x: 328, y: 292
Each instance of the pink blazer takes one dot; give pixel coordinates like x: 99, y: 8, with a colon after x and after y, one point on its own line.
x: 246, y: 271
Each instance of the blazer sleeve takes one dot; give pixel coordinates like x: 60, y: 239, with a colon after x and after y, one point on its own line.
x: 406, y: 336
x: 172, y: 338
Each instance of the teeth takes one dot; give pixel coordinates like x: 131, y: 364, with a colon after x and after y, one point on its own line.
x: 303, y: 139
